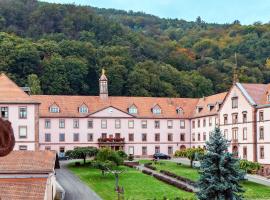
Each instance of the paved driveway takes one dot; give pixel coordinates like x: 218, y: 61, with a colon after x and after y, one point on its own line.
x: 74, y: 188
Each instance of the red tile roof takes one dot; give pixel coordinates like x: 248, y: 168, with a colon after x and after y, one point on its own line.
x: 11, y: 93
x: 22, y: 188
x: 258, y: 92
x: 28, y: 162
x: 204, y: 103
x: 69, y: 105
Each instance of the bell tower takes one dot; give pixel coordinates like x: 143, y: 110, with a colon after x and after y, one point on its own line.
x: 103, y: 86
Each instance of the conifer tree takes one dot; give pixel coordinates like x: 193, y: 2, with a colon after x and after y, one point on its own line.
x: 220, y: 171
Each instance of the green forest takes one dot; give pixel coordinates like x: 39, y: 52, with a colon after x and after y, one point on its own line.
x: 61, y: 49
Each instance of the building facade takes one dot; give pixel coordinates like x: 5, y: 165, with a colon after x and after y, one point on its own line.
x: 140, y: 125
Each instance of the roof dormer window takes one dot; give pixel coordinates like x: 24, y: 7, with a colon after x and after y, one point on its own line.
x: 83, y: 109
x: 179, y: 111
x: 210, y: 107
x: 54, y: 109
x: 133, y: 110
x: 199, y: 109
x: 156, y: 110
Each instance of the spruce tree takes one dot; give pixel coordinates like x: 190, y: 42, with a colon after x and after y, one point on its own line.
x: 220, y: 173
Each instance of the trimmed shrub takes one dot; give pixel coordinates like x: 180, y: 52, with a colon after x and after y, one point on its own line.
x: 131, y: 164
x: 146, y: 172
x: 250, y: 167
x: 180, y: 178
x: 149, y: 166
x: 173, y: 183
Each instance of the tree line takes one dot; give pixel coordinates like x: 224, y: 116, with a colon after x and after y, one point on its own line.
x: 61, y: 49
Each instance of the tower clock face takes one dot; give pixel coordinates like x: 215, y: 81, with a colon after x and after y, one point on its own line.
x: 7, y: 140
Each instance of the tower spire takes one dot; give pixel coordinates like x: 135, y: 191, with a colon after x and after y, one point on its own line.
x: 235, y: 70
x: 103, y: 86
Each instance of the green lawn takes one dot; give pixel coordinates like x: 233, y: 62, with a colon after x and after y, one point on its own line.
x: 137, y: 185
x: 252, y: 190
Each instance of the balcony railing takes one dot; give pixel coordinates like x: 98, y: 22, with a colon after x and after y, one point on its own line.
x: 111, y: 140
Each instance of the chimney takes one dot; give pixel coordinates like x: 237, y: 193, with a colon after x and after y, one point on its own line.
x: 103, y: 86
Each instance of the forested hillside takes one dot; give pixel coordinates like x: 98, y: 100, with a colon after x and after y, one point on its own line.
x: 61, y: 49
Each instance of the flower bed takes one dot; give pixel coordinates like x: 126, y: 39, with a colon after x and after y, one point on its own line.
x: 180, y: 178
x: 173, y: 183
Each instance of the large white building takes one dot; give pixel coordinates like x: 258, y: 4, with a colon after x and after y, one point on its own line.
x: 139, y: 125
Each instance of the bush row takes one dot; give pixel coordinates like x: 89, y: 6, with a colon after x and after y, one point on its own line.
x: 180, y: 178
x: 250, y: 167
x: 131, y: 164
x: 146, y: 172
x: 173, y: 183
x: 149, y: 166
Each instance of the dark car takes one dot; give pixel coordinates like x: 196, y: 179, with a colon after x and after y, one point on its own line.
x: 161, y: 156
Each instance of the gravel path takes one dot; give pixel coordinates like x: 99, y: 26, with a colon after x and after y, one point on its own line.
x: 74, y: 188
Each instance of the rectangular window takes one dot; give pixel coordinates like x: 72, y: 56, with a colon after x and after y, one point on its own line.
x: 22, y: 132
x: 261, y: 152
x: 90, y: 124
x: 261, y: 116
x: 170, y: 124
x: 75, y: 123
x: 204, y: 136
x: 244, y: 133
x: 76, y: 137
x: 170, y: 150
x: 104, y: 135
x: 103, y: 123
x: 225, y: 119
x: 144, y: 124
x: 22, y: 112
x: 157, y: 137
x: 144, y: 137
x: 235, y: 134
x: 193, y: 136
x: 62, y: 137
x: 244, y: 117
x: 199, y: 137
x: 130, y: 123
x: 23, y: 148
x: 182, y: 137
x: 157, y: 149
x: 4, y: 112
x: 170, y: 137
x: 117, y: 123
x: 130, y: 137
x: 261, y: 135
x: 47, y: 123
x: 204, y: 122
x: 61, y: 123
x: 199, y: 123
x: 182, y: 124
x: 234, y: 118
x: 47, y: 137
x: 244, y: 152
x: 90, y: 137
x: 235, y: 102
x: 47, y: 148
x: 144, y: 151
x: 117, y: 135
x: 157, y: 124
x: 210, y: 121
x: 193, y: 124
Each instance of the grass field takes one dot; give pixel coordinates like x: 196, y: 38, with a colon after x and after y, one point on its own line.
x: 137, y: 186
x: 252, y: 190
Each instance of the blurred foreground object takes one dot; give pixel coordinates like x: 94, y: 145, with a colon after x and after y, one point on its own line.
x: 7, y: 140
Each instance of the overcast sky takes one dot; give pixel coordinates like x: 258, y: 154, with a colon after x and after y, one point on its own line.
x: 220, y: 11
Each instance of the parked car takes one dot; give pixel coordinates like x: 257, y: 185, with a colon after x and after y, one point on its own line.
x: 62, y: 156
x: 161, y: 156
